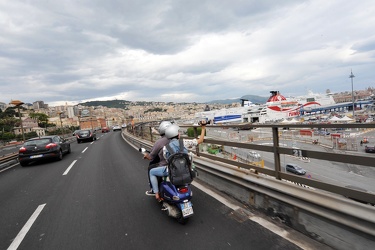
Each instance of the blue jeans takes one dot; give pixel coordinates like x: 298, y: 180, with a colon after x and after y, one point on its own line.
x: 159, y: 171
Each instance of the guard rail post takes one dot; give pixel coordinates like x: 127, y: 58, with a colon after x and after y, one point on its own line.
x: 276, y: 152
x: 195, y: 132
x: 151, y: 135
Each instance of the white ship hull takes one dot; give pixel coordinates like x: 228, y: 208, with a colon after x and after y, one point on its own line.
x: 275, y: 109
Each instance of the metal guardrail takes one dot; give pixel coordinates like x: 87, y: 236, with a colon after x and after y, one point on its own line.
x: 8, y: 160
x: 327, y: 216
x: 144, y: 131
x: 8, y: 157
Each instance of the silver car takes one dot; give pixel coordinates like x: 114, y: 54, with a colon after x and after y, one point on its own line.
x: 116, y: 128
x: 295, y: 169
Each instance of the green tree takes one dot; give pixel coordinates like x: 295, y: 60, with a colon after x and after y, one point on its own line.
x: 29, y: 135
x: 190, y: 131
x: 7, y: 136
x: 41, y: 118
x: 8, y: 123
x: 9, y: 112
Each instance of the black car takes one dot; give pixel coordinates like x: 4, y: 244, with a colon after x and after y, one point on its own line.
x: 295, y: 169
x: 85, y: 135
x: 45, y: 147
x: 370, y: 149
x: 74, y: 133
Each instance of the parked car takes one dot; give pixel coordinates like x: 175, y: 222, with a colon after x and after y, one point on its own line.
x: 116, y: 128
x: 86, y: 135
x: 253, y: 156
x: 295, y: 169
x: 41, y: 148
x: 105, y: 129
x: 370, y: 149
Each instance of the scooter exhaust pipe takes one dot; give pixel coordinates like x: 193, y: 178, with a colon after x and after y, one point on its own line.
x: 170, y: 210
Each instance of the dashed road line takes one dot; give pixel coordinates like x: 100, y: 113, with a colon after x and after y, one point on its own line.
x: 70, y: 166
x: 21, y: 235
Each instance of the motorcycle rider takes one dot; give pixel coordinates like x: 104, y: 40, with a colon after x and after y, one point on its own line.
x: 172, y: 133
x: 156, y: 155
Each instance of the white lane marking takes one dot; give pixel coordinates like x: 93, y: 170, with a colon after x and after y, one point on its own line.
x: 17, y: 241
x: 84, y: 149
x: 68, y: 169
x: 217, y: 197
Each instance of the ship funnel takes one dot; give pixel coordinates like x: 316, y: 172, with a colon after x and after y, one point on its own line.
x: 243, y: 102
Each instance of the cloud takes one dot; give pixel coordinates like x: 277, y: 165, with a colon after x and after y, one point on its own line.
x: 182, y: 51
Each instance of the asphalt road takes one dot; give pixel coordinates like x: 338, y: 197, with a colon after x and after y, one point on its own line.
x: 95, y: 199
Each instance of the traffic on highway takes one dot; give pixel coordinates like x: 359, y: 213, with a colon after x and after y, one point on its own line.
x: 94, y: 198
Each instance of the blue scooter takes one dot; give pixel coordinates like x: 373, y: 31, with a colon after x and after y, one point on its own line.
x: 175, y: 200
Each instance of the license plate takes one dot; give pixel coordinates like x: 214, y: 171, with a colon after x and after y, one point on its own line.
x: 187, y: 209
x: 35, y: 156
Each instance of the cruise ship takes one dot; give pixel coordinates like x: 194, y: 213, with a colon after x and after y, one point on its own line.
x: 279, y: 107
x: 313, y: 101
x: 229, y: 115
x: 275, y: 109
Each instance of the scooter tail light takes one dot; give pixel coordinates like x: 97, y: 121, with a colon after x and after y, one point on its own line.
x: 183, y: 190
x: 22, y: 149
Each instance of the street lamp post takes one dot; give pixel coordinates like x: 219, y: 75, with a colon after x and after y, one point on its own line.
x: 351, y: 77
x: 62, y: 131
x: 79, y: 121
x: 92, y: 128
x: 18, y: 103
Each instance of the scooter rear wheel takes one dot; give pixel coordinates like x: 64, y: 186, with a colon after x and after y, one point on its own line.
x: 182, y: 220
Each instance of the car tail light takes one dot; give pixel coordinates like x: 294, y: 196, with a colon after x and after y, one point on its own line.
x: 51, y: 145
x: 22, y: 150
x: 183, y: 190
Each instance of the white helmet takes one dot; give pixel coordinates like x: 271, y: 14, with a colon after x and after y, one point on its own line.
x: 172, y: 131
x: 163, y: 126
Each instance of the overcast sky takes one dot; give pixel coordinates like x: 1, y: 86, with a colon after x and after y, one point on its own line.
x: 182, y: 51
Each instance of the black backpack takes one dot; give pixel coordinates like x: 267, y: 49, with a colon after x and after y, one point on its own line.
x: 179, y: 164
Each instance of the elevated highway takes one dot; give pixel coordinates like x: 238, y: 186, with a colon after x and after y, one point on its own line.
x: 94, y: 198
x: 341, y: 216
x: 89, y: 206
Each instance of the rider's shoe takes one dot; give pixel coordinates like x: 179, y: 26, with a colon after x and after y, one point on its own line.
x: 150, y: 193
